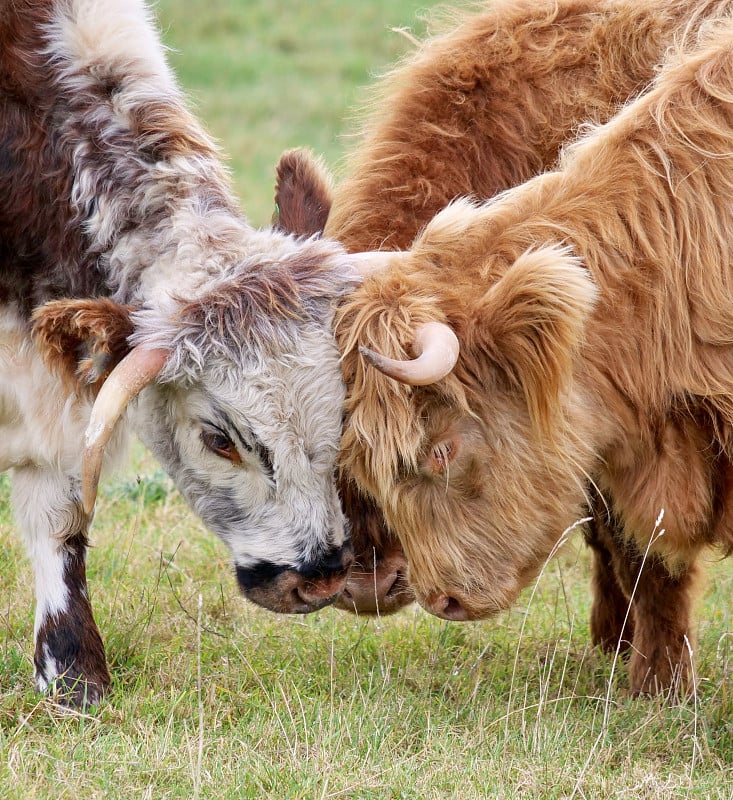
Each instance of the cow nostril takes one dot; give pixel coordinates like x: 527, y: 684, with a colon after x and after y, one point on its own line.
x: 321, y: 592
x: 300, y: 596
x: 397, y: 585
x: 447, y: 607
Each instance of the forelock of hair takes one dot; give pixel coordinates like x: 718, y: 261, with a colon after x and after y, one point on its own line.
x: 247, y: 316
x: 386, y: 431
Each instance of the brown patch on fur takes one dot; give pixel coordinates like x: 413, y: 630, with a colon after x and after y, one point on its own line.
x: 302, y: 194
x: 259, y: 300
x: 82, y: 340
x: 165, y: 131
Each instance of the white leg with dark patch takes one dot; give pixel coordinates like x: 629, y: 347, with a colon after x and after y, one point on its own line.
x: 69, y: 654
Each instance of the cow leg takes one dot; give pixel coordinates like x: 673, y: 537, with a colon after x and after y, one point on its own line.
x: 662, y: 603
x: 661, y: 659
x: 611, y: 620
x: 69, y: 654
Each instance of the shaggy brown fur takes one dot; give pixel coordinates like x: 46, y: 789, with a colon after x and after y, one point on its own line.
x: 488, y: 104
x: 593, y: 306
x: 476, y: 110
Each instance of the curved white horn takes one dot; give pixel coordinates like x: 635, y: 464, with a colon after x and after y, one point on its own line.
x: 437, y: 351
x: 136, y: 370
x: 373, y: 261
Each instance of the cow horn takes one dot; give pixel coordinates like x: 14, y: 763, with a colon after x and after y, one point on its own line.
x: 136, y: 370
x: 373, y: 261
x: 437, y: 351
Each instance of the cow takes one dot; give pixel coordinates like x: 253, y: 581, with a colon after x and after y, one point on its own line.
x: 134, y: 296
x: 476, y: 109
x: 576, y: 329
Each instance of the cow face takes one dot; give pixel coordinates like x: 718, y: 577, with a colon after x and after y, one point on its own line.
x: 242, y: 403
x: 480, y: 473
x: 482, y: 506
x: 252, y: 447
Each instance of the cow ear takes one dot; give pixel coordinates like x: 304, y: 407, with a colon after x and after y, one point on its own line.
x: 82, y: 340
x: 536, y: 315
x: 302, y: 193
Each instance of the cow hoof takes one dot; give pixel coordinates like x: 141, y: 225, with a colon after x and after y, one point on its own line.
x: 76, y: 693
x: 665, y: 677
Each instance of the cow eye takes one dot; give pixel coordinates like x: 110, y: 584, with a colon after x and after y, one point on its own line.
x: 221, y: 444
x: 441, y: 456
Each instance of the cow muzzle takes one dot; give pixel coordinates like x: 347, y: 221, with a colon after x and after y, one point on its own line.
x: 446, y: 607
x: 377, y: 583
x: 297, y: 590
x: 485, y: 600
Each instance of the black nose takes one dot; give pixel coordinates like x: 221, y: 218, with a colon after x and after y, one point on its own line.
x: 335, y: 561
x: 262, y: 573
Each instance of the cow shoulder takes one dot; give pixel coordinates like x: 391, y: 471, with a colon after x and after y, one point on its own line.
x: 82, y: 340
x: 303, y: 193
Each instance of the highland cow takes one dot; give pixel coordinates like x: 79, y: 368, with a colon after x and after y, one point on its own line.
x: 593, y: 309
x: 475, y: 110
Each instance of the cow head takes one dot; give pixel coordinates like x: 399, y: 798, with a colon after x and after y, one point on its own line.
x: 236, y: 389
x: 377, y: 583
x: 480, y: 472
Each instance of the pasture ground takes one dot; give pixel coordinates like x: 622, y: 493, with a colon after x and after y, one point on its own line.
x: 214, y: 698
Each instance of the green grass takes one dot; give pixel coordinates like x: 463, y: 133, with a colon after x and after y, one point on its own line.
x: 334, y: 706
x: 230, y: 701
x: 266, y: 77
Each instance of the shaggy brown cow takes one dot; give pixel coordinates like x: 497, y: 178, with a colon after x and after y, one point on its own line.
x: 594, y: 310
x: 474, y: 111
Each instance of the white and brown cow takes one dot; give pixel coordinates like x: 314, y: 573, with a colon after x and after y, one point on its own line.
x: 478, y: 108
x: 125, y: 264
x: 592, y: 307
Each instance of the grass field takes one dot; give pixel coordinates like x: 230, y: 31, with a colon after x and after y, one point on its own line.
x: 267, y: 78
x: 214, y: 698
